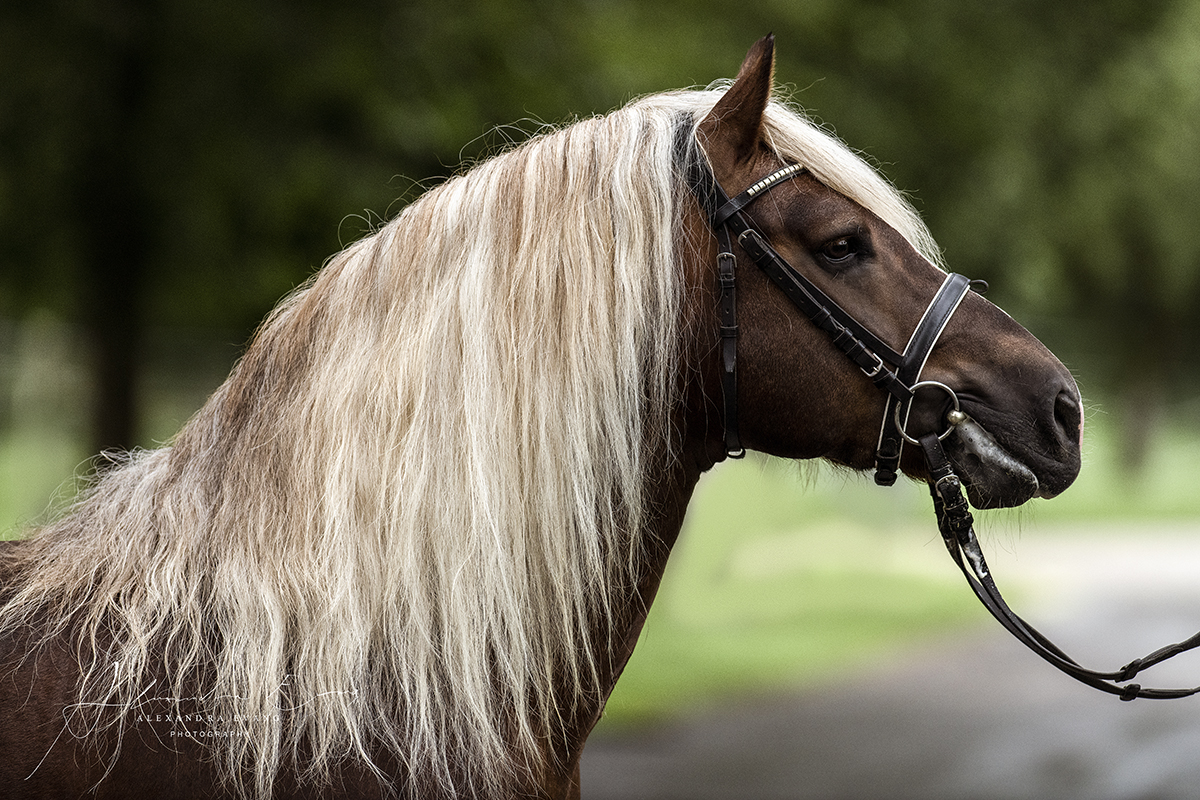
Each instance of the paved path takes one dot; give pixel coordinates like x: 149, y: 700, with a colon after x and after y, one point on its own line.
x: 975, y: 719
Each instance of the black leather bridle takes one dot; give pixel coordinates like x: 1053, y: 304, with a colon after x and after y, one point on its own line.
x: 898, y: 374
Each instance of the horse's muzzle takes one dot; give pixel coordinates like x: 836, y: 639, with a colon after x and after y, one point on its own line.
x: 992, y: 477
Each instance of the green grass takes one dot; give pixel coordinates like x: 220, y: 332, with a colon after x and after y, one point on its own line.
x: 779, y: 579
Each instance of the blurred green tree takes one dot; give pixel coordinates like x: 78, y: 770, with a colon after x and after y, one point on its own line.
x: 164, y: 162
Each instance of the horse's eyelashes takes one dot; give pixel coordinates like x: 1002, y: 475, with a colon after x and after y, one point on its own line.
x: 841, y: 251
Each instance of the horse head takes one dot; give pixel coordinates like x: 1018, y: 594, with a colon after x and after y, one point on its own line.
x: 798, y: 395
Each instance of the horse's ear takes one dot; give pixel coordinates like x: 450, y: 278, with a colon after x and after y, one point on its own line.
x: 730, y: 132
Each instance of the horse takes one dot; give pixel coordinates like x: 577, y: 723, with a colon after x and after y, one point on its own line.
x: 407, y: 548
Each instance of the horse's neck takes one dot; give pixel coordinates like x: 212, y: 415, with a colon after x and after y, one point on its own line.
x: 702, y: 446
x: 673, y: 491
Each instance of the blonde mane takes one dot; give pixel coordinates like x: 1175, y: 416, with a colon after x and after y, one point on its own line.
x: 406, y: 517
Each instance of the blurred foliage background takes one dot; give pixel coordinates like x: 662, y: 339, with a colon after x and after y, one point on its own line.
x: 169, y: 169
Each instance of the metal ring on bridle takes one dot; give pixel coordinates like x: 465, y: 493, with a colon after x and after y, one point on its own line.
x: 914, y: 388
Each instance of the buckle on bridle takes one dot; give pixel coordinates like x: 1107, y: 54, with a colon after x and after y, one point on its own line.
x: 879, y: 367
x: 752, y: 243
x: 726, y: 265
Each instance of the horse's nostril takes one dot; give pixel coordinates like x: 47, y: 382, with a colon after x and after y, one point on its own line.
x: 1068, y: 415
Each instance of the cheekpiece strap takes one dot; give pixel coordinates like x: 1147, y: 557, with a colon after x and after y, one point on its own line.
x: 933, y: 323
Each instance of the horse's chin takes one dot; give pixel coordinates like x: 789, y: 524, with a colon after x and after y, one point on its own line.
x: 992, y: 477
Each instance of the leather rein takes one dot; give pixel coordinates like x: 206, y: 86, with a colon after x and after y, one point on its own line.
x: 898, y: 375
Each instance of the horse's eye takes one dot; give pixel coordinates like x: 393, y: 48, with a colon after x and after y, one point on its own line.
x: 839, y: 251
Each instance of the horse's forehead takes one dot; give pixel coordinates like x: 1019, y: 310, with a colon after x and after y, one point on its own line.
x: 808, y: 207
x: 813, y: 201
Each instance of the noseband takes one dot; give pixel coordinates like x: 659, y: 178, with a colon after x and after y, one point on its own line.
x: 898, y: 374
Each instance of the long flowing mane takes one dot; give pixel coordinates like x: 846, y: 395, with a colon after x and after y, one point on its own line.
x: 401, y: 522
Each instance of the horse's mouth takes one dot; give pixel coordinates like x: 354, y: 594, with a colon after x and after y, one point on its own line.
x: 991, y: 476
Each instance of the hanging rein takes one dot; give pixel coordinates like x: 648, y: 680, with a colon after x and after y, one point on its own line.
x: 898, y: 375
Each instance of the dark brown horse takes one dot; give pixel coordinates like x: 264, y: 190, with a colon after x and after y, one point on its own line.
x: 408, y: 547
